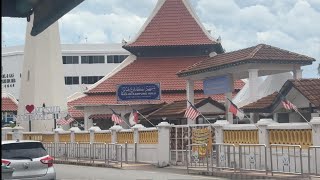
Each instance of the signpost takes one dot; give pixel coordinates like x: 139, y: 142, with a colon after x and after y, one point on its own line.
x: 130, y: 92
x: 41, y: 113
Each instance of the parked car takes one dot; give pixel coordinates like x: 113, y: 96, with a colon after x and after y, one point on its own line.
x: 29, y: 160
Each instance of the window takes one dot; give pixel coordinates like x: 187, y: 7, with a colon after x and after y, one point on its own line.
x: 92, y: 59
x: 23, y: 150
x: 116, y: 58
x: 70, y: 59
x: 70, y: 80
x: 7, y: 117
x: 90, y: 79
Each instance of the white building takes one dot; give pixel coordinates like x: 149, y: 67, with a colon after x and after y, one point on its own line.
x: 84, y: 64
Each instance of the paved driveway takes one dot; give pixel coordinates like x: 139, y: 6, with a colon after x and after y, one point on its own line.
x: 69, y: 172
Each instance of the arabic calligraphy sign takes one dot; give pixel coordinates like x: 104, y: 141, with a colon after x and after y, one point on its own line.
x: 201, y: 136
x: 130, y: 92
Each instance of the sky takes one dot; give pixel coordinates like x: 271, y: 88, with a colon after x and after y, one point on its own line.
x: 288, y: 24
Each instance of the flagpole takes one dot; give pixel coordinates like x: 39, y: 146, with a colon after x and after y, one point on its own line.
x: 200, y: 113
x: 146, y: 118
x: 246, y: 116
x: 296, y: 110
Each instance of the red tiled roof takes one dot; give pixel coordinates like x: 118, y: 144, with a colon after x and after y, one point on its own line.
x: 309, y: 88
x: 75, y: 113
x: 261, y: 53
x: 262, y: 103
x: 7, y: 104
x: 172, y: 25
x: 100, y: 116
x: 152, y: 70
x: 107, y: 99
x: 177, y: 108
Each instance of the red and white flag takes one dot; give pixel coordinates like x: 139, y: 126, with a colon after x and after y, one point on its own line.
x: 191, y: 112
x: 235, y: 110
x: 64, y: 121
x: 134, y: 117
x: 115, y: 117
x: 288, y: 105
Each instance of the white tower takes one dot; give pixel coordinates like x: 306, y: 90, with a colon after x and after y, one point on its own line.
x: 42, y: 79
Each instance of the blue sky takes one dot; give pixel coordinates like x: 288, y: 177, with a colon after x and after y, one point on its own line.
x: 288, y: 24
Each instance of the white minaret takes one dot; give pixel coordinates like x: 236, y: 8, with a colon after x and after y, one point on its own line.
x: 42, y: 79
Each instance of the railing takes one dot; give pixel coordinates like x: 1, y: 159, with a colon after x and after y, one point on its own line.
x: 148, y: 137
x: 240, y: 137
x: 253, y: 157
x: 314, y: 160
x: 284, y: 157
x: 197, y: 156
x: 82, y: 137
x: 35, y: 137
x: 47, y: 137
x: 65, y: 137
x: 302, y: 137
x: 224, y: 157
x: 87, y: 152
x: 123, y: 137
x: 9, y: 136
x: 102, y: 137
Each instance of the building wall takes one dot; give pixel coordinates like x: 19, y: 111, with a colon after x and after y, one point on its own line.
x: 12, y: 62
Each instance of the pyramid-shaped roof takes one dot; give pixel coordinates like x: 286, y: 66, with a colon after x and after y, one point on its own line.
x: 172, y: 23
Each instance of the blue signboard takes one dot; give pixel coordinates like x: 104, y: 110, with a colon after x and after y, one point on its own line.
x: 217, y: 85
x: 130, y: 92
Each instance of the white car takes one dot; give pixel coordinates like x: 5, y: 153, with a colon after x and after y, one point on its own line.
x: 29, y: 160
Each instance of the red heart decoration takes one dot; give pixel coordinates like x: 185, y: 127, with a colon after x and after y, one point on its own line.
x: 30, y: 108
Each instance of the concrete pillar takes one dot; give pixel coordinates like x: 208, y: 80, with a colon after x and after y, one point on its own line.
x: 229, y: 115
x: 114, y: 129
x: 72, y: 136
x: 42, y: 79
x: 297, y: 73
x: 218, y: 127
x: 163, y: 144
x: 56, y: 134
x: 315, y: 121
x: 253, y: 88
x: 190, y: 97
x: 17, y: 133
x: 136, y: 128
x: 263, y: 132
x: 4, y: 132
x: 275, y: 117
x: 92, y: 130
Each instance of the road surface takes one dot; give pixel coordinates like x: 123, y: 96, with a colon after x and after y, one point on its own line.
x: 68, y: 172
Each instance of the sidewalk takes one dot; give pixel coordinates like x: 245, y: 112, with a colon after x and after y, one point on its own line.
x: 230, y: 174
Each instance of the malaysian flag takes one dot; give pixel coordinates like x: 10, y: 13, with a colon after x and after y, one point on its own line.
x: 288, y: 105
x: 191, y: 112
x: 64, y: 121
x: 115, y: 117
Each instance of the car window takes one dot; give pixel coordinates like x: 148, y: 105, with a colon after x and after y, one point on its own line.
x: 23, y: 150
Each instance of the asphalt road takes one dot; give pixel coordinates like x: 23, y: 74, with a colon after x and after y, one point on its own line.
x: 68, y: 172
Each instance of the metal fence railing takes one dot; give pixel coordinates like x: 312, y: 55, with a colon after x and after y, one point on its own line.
x: 223, y: 156
x: 89, y: 152
x: 286, y: 159
x: 314, y: 160
x: 197, y: 157
x: 253, y: 157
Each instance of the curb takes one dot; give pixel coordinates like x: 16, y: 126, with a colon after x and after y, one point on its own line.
x: 86, y: 164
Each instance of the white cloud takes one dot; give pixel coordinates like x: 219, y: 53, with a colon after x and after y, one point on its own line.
x: 288, y: 24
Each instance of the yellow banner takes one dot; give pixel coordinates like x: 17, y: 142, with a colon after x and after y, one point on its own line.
x: 201, y: 136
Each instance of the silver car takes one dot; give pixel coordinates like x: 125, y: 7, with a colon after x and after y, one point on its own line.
x: 29, y: 160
